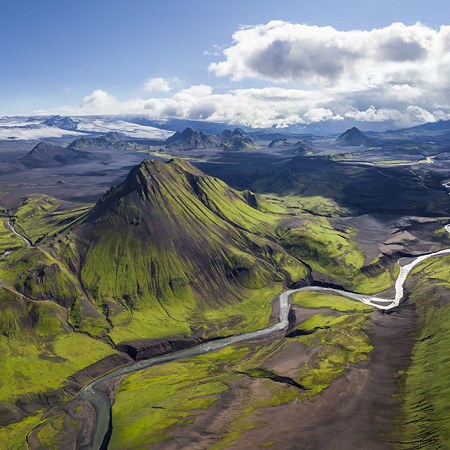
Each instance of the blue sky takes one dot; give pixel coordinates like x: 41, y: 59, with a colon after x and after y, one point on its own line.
x: 56, y: 53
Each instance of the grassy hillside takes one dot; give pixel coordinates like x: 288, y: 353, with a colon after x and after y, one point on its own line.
x: 8, y: 240
x: 162, y: 403
x: 42, y: 216
x: 425, y: 385
x: 363, y: 189
x: 170, y: 251
x: 161, y: 252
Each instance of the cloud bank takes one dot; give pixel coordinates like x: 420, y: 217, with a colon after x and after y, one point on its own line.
x: 158, y: 84
x: 398, y: 74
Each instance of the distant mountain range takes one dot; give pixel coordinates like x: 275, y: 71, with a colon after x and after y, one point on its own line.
x: 159, y: 130
x: 57, y: 127
x: 46, y: 154
x: 109, y: 141
x: 190, y: 139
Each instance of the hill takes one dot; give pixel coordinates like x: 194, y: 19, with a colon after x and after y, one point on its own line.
x: 354, y: 137
x: 278, y: 142
x: 109, y: 141
x: 236, y: 140
x: 190, y: 139
x: 171, y: 243
x: 168, y: 257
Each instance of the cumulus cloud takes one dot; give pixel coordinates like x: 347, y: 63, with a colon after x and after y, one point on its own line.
x: 282, y: 51
x: 157, y: 84
x: 263, y: 107
x: 399, y: 74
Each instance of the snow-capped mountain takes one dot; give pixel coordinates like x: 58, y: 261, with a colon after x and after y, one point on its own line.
x: 37, y: 128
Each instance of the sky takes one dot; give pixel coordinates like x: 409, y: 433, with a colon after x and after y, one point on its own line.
x: 257, y: 63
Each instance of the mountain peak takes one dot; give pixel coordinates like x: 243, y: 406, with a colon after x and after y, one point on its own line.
x: 66, y: 123
x: 176, y: 241
x: 354, y: 137
x: 190, y: 139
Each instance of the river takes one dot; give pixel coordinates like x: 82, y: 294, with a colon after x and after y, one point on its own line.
x: 102, y: 402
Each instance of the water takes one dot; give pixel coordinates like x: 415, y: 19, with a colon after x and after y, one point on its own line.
x: 102, y: 403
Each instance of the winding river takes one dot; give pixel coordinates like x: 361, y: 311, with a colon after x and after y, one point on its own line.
x: 10, y: 225
x: 101, y: 401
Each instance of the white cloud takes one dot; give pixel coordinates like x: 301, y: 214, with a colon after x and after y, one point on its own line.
x: 264, y: 107
x: 98, y: 101
x: 399, y: 74
x: 323, y: 56
x: 157, y: 84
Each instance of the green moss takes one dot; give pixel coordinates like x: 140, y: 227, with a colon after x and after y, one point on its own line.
x: 8, y: 240
x: 14, y: 436
x: 249, y: 314
x: 334, y: 253
x: 322, y: 321
x: 44, y: 216
x: 152, y: 402
x: 340, y: 340
x: 425, y: 387
x: 330, y: 301
x: 31, y: 368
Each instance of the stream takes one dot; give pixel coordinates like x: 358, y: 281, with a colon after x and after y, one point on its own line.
x: 10, y: 225
x: 101, y: 401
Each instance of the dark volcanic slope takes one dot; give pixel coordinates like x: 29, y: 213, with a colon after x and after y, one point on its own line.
x: 354, y: 137
x: 110, y: 141
x: 366, y: 189
x: 236, y: 140
x: 49, y: 155
x: 45, y: 155
x: 190, y: 139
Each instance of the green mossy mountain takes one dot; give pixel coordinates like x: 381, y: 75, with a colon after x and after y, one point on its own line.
x: 174, y: 242
x: 169, y: 252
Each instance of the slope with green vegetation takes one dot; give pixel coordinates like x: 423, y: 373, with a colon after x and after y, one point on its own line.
x: 424, y: 387
x: 166, y: 249
x: 41, y: 216
x: 333, y: 252
x: 157, y: 404
x: 173, y: 252
x: 8, y: 240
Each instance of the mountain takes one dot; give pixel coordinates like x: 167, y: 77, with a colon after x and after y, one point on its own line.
x: 190, y: 139
x: 440, y: 125
x: 354, y: 137
x: 109, y: 141
x: 170, y: 243
x: 45, y: 155
x: 167, y: 258
x: 49, y: 155
x: 278, y: 142
x: 65, y: 123
x: 235, y: 140
x: 303, y: 148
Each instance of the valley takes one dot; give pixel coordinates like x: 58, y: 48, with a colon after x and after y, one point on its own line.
x: 197, y: 292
